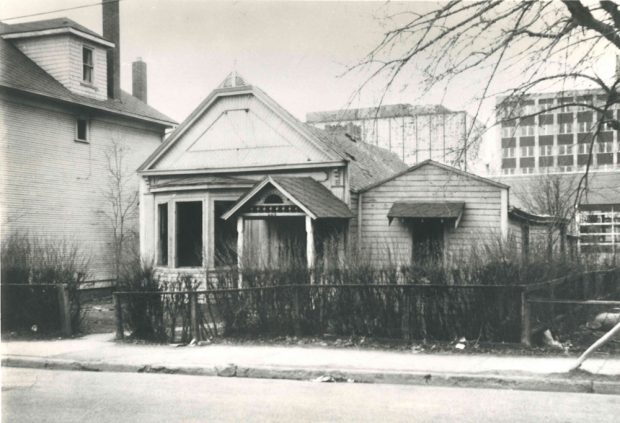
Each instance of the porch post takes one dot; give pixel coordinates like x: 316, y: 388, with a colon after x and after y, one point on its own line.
x: 240, y: 250
x: 309, y: 242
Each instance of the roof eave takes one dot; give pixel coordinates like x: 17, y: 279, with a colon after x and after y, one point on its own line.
x: 57, y: 31
x: 164, y: 123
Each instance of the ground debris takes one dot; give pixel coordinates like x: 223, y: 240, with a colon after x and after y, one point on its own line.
x: 332, y: 379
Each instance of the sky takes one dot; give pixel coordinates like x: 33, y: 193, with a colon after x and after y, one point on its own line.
x: 297, y: 52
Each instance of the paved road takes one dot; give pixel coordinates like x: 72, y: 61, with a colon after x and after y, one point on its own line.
x: 60, y: 396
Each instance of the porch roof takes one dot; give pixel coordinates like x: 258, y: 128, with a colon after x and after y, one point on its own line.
x: 427, y: 210
x: 309, y: 195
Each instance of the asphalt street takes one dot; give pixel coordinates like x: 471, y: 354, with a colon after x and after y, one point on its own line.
x: 64, y: 396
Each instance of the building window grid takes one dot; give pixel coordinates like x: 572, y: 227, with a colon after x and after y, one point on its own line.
x: 526, y: 130
x: 508, y: 152
x: 562, y: 150
x: 546, y: 150
x: 600, y: 229
x: 565, y: 128
x: 528, y: 151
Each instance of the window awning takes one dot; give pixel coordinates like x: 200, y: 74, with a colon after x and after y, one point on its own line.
x: 448, y: 210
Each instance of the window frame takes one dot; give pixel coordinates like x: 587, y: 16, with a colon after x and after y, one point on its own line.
x: 88, y: 67
x: 86, y: 121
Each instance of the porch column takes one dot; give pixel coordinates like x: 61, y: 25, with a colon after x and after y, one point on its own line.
x: 309, y: 242
x: 240, y: 250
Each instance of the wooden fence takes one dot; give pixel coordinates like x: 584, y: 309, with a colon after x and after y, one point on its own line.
x: 498, y: 313
x: 44, y: 306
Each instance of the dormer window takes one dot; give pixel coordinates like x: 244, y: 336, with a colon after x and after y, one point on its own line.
x: 81, y: 129
x: 87, y: 65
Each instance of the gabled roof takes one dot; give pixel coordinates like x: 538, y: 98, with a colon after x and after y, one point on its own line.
x: 430, y: 162
x: 367, y: 163
x: 309, y: 195
x: 298, y: 126
x: 18, y: 72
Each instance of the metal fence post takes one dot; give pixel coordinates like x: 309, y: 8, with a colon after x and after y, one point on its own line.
x: 296, y: 312
x: 64, y: 308
x: 405, y: 326
x: 526, y: 329
x: 193, y: 304
x: 118, y: 313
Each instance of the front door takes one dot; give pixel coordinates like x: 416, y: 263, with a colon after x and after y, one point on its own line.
x: 427, y: 241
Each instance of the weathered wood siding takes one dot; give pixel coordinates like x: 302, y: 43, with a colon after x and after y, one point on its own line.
x: 61, y: 57
x: 515, y: 235
x: 53, y: 186
x: 239, y: 131
x: 392, y: 242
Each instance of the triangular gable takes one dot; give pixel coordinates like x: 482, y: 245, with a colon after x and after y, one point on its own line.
x: 304, y: 193
x: 239, y: 127
x: 440, y: 166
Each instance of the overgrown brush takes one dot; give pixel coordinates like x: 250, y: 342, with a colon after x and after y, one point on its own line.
x: 28, y: 261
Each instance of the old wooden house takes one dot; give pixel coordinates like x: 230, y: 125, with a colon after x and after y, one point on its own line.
x: 61, y: 112
x: 241, y: 182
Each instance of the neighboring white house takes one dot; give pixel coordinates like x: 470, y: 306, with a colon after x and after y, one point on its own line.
x: 61, y: 112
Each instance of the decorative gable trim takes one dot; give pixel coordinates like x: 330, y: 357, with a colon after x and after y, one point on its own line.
x: 267, y: 181
x: 331, y: 155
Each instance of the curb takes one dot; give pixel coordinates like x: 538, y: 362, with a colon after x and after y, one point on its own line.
x: 550, y: 383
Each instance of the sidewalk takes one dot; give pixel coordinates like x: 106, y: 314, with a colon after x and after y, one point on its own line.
x: 100, y: 353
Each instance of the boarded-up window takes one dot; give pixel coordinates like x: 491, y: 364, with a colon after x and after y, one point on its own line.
x: 162, y: 234
x: 225, y: 235
x: 189, y: 234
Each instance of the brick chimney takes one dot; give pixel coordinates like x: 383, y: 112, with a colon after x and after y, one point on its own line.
x: 138, y: 76
x: 111, y: 32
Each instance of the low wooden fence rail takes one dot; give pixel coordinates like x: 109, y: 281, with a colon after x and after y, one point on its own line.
x: 498, y: 313
x: 433, y: 312
x: 46, y: 306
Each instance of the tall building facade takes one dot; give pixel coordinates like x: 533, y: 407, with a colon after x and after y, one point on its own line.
x: 558, y: 138
x: 553, y: 137
x: 414, y: 133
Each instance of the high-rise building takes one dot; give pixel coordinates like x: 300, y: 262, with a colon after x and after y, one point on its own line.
x: 414, y: 133
x: 552, y: 133
x: 547, y: 141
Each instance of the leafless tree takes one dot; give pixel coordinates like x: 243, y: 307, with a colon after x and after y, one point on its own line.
x: 546, y: 44
x: 121, y: 198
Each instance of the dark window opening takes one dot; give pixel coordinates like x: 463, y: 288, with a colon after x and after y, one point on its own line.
x: 427, y: 242
x: 189, y: 234
x: 82, y: 129
x: 162, y: 216
x: 87, y: 65
x: 225, y: 235
x: 274, y: 199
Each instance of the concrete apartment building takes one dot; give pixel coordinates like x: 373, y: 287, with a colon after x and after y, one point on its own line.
x: 61, y: 111
x: 555, y: 145
x: 414, y: 133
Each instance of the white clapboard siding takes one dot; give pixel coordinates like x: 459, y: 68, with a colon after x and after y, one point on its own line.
x: 53, y: 186
x: 480, y: 221
x: 61, y: 57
